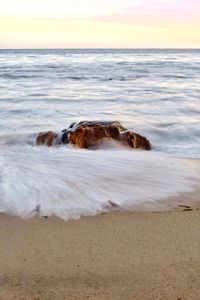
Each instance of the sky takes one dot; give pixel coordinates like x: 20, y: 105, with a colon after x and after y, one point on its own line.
x: 99, y: 23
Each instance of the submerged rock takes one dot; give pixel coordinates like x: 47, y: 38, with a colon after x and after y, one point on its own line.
x: 48, y: 138
x: 89, y: 135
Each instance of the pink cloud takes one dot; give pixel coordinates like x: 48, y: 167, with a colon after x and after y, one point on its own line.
x: 158, y: 11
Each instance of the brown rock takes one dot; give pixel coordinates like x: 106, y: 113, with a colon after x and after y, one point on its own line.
x: 46, y: 138
x: 135, y: 140
x: 89, y: 134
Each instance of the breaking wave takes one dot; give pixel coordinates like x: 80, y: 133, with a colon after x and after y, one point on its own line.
x: 70, y: 183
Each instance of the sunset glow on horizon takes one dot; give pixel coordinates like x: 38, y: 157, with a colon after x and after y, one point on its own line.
x: 100, y: 24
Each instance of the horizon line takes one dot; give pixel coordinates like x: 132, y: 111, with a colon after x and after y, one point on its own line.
x: 106, y: 48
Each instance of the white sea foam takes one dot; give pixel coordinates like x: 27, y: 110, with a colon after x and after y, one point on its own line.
x: 70, y: 183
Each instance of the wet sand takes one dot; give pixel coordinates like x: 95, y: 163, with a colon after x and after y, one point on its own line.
x: 119, y: 255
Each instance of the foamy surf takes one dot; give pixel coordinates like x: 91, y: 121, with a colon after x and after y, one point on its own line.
x: 70, y: 183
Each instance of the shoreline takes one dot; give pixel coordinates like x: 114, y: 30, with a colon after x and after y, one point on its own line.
x: 115, y: 255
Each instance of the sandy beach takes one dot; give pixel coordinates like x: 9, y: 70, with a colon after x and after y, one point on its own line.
x: 119, y: 255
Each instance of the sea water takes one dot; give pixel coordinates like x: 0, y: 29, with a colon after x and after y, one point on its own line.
x: 153, y: 92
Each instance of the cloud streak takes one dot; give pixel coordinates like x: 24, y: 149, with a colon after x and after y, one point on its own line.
x: 153, y: 11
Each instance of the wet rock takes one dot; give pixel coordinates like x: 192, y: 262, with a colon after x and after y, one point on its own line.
x: 46, y: 138
x: 89, y: 135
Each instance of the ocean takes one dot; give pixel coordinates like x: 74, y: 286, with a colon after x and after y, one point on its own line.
x: 153, y: 92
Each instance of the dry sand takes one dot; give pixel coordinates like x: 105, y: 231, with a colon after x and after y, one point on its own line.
x: 120, y: 255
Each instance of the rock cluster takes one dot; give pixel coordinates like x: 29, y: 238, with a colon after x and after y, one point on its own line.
x: 89, y: 135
